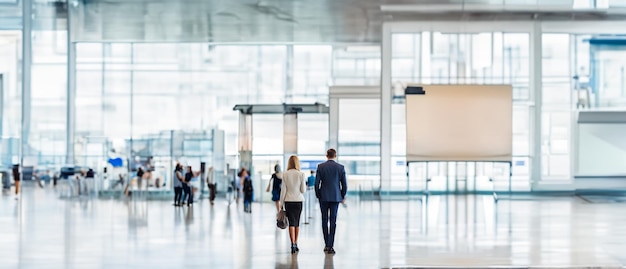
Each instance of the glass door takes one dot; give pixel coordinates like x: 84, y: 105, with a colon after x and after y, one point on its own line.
x: 267, y: 151
x: 359, y: 142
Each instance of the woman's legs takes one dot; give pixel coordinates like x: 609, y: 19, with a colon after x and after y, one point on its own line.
x: 190, y: 197
x: 186, y: 192
x: 178, y: 192
x: 293, y: 235
x: 277, y: 206
x: 294, y: 239
x: 17, y: 187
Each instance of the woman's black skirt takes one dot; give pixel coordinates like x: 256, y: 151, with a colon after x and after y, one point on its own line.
x: 294, y: 210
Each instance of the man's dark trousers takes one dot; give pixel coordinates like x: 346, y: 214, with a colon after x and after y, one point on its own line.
x: 329, y: 210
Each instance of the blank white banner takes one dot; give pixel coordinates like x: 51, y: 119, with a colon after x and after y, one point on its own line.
x: 460, y: 123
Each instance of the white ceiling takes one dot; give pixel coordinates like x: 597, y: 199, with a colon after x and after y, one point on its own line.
x: 306, y: 21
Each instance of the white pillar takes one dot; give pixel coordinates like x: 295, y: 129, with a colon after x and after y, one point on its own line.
x: 536, y: 96
x: 70, y: 115
x: 71, y: 103
x: 26, y: 76
x: 1, y: 105
x: 333, y: 122
x: 385, y: 113
x: 245, y: 141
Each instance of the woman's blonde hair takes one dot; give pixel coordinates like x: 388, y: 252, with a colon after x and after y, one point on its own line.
x: 293, y: 163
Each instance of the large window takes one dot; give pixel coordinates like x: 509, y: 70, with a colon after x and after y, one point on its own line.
x: 451, y: 58
x: 141, y: 89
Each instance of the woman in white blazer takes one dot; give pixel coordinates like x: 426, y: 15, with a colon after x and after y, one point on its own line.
x: 292, y: 197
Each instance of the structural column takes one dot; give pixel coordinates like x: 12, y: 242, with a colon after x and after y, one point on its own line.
x: 385, y: 110
x: 536, y: 95
x: 290, y: 136
x: 27, y: 6
x: 333, y: 122
x: 70, y: 96
x: 1, y: 105
x: 245, y: 141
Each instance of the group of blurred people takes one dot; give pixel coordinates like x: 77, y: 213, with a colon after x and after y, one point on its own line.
x: 84, y: 181
x: 41, y: 178
x: 182, y: 182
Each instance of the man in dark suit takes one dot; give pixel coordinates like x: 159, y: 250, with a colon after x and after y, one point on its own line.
x: 330, y: 189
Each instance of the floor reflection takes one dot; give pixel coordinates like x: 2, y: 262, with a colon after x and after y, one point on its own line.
x: 291, y: 263
x: 329, y: 262
x: 42, y: 231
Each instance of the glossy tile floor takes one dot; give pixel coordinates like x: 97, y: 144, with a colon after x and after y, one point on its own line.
x: 42, y: 231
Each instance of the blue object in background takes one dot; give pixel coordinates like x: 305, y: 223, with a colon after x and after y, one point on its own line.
x: 309, y: 165
x: 116, y: 162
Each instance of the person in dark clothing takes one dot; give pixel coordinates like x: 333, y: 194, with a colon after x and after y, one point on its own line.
x: 276, y: 183
x: 140, y: 173
x: 187, y: 188
x: 248, y: 191
x: 330, y: 188
x: 16, y: 179
x: 89, y: 180
x: 90, y: 173
x: 177, y: 182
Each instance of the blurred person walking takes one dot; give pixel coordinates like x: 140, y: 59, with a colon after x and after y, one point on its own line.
x: 248, y: 193
x: 275, y: 185
x: 187, y: 187
x: 16, y: 178
x: 177, y: 182
x: 243, y: 174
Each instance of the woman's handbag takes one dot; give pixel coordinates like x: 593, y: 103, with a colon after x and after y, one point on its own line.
x: 281, y: 219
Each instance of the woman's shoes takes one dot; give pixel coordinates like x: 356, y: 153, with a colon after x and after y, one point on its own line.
x: 294, y: 249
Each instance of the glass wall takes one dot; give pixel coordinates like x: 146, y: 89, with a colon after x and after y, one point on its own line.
x: 556, y: 106
x: 313, y: 131
x: 359, y: 141
x: 356, y: 65
x: 139, y: 90
x: 10, y: 84
x: 48, y: 99
x: 580, y: 72
x: 450, y: 58
x: 130, y: 92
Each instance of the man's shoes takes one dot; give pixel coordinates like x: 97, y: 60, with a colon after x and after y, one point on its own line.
x: 331, y: 251
x: 326, y: 249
